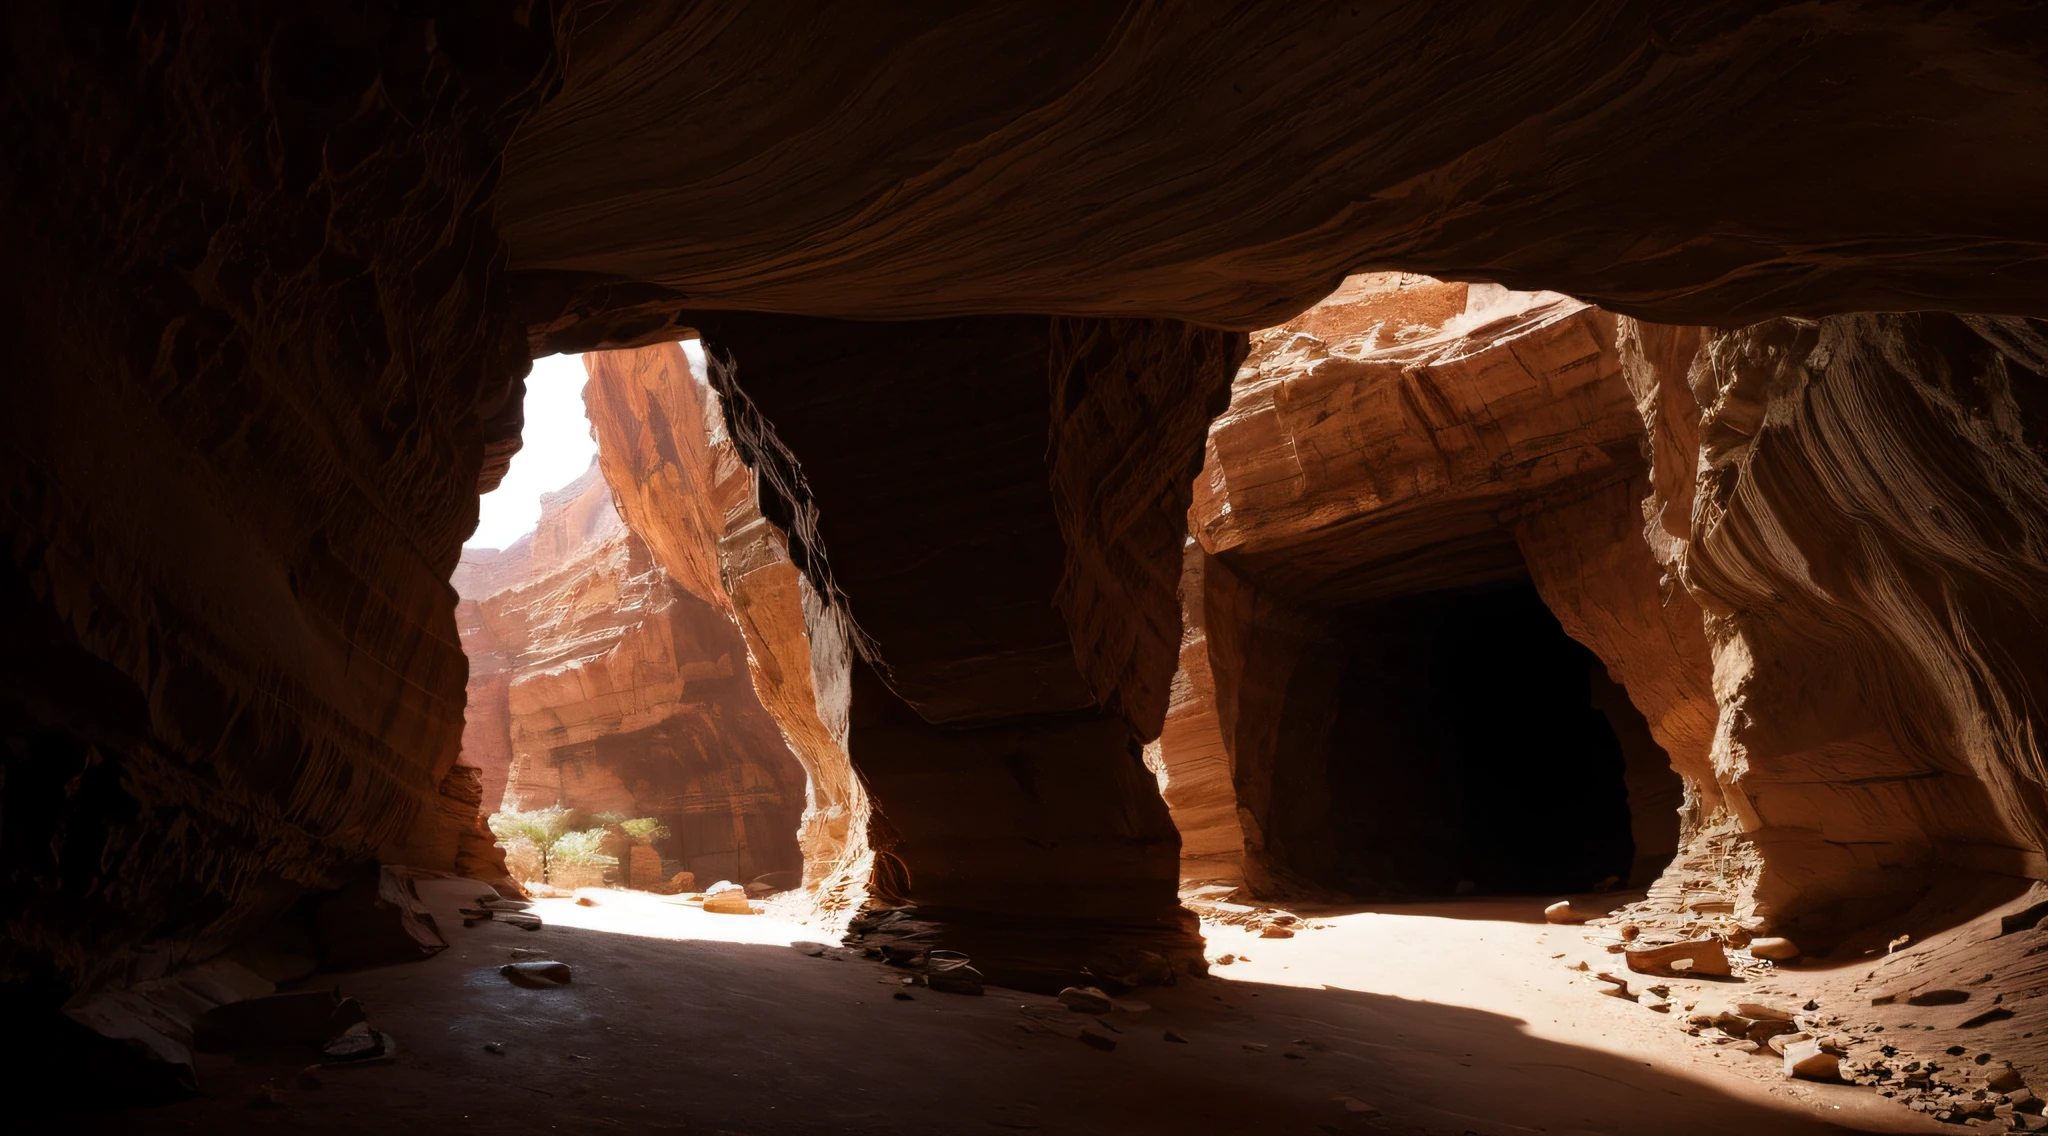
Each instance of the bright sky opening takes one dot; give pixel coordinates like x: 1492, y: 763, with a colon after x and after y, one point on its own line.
x: 557, y: 448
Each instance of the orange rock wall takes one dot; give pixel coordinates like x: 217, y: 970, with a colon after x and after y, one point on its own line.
x: 662, y: 439
x: 625, y: 693
x: 1403, y: 437
x: 1864, y: 534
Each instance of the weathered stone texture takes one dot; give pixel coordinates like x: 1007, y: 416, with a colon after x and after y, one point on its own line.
x: 1865, y: 536
x: 264, y: 362
x: 625, y: 693
x: 678, y: 478
x: 1405, y: 437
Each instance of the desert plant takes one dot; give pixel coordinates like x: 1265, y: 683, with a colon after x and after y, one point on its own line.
x: 551, y: 834
x: 607, y: 820
x: 646, y: 830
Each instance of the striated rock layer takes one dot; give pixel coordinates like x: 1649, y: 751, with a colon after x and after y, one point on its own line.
x: 1401, y: 472
x: 1857, y: 506
x: 625, y: 693
x: 265, y: 361
x: 679, y: 480
x: 1229, y: 163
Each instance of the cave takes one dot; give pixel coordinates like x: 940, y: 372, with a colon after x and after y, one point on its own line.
x: 1408, y: 513
x: 1467, y: 755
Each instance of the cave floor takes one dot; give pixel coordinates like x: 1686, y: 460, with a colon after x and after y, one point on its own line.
x: 1429, y: 1018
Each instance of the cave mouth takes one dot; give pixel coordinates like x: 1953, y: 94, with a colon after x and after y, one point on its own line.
x: 1475, y: 748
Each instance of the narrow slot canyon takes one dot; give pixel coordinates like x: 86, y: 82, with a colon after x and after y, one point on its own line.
x: 722, y: 568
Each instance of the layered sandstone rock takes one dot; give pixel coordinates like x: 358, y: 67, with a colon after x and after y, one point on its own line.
x: 665, y: 450
x: 1389, y: 460
x: 1856, y: 504
x: 625, y: 693
x: 265, y: 360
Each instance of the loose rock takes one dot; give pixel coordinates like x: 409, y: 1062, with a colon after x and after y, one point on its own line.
x: 537, y: 974
x: 1086, y: 1000
x: 1561, y: 912
x: 1702, y: 956
x: 1808, y: 1061
x: 1775, y: 948
x: 1097, y: 1041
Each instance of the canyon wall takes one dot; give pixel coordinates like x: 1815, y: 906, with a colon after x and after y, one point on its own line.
x: 677, y: 476
x: 1857, y: 506
x: 623, y: 692
x: 265, y: 359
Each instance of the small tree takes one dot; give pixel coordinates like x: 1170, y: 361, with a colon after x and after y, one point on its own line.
x: 646, y: 830
x: 550, y: 832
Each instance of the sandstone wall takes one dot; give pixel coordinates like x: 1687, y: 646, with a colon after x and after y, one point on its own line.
x: 1864, y: 535
x: 1408, y: 436
x: 678, y: 479
x: 1116, y: 160
x: 263, y: 361
x: 625, y: 693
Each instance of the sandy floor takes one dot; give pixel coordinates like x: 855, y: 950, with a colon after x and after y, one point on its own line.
x: 1440, y: 1018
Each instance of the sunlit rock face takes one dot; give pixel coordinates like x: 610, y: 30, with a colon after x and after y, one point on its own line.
x: 1419, y: 505
x: 625, y: 693
x: 1857, y: 504
x: 263, y: 363
x: 680, y: 481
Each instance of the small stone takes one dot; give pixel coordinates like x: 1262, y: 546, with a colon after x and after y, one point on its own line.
x: 1086, y: 1000
x: 2004, y: 1079
x: 1939, y: 997
x: 903, y: 996
x: 497, y: 1047
x: 1294, y: 1056
x: 1699, y: 956
x: 1177, y: 1039
x: 537, y: 973
x: 1807, y: 1061
x: 1277, y: 932
x: 585, y: 901
x: 1353, y: 1104
x: 1561, y: 912
x: 1777, y: 948
x: 1097, y: 1041
x: 267, y: 1096
x: 1226, y: 960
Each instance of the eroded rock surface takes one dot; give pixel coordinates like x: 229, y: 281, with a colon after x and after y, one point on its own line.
x: 625, y: 693
x: 1856, y: 504
x: 1390, y: 462
x: 678, y: 478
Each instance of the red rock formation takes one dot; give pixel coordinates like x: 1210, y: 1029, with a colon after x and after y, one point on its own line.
x: 1403, y: 439
x: 678, y: 478
x: 1864, y: 534
x: 625, y: 693
x: 265, y: 361
x: 1105, y: 159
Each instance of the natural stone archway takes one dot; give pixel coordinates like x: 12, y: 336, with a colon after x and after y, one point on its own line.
x: 276, y: 272
x: 1397, y: 468
x: 993, y: 507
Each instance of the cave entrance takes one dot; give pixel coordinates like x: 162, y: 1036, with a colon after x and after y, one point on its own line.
x: 1474, y: 747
